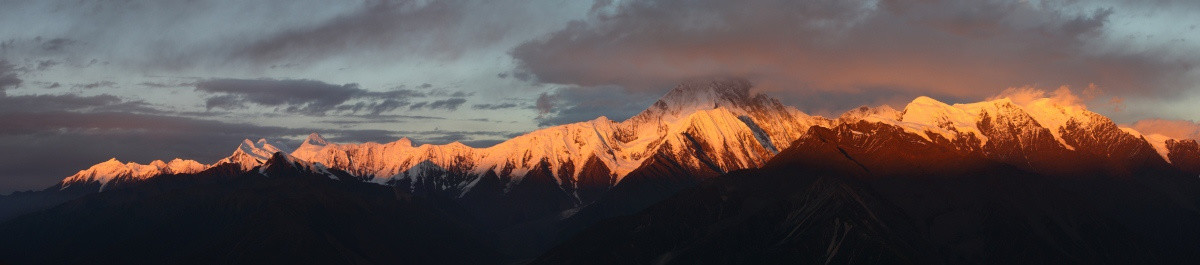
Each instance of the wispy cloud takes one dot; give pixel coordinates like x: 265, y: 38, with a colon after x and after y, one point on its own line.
x: 311, y: 97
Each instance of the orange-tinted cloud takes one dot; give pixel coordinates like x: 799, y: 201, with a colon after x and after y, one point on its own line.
x: 1026, y: 95
x: 1178, y: 129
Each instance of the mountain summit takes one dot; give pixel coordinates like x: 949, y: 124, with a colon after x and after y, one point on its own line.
x: 691, y: 96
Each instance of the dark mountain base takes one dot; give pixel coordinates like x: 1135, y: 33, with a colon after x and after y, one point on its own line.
x: 289, y: 218
x: 821, y: 203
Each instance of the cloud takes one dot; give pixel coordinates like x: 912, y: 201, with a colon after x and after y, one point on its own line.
x: 494, y: 106
x: 46, y: 64
x: 228, y: 102
x: 1063, y: 96
x: 544, y: 103
x: 1178, y: 129
x: 308, y: 97
x: 448, y: 104
x: 1117, y: 103
x: 8, y: 77
x: 417, y: 105
x: 942, y: 48
x: 56, y: 44
x: 433, y: 29
x: 373, y: 108
x: 94, y: 85
x: 300, y: 95
x: 1026, y: 95
x: 71, y: 102
x: 576, y: 104
x: 165, y: 85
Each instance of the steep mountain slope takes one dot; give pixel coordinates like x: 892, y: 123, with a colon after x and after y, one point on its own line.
x: 1185, y: 154
x: 842, y: 196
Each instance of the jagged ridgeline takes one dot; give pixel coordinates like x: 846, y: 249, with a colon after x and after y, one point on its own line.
x: 532, y: 192
x: 711, y: 127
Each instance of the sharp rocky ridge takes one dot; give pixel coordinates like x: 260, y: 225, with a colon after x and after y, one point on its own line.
x: 714, y: 126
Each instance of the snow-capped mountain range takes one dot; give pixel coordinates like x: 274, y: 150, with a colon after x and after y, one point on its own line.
x: 711, y: 126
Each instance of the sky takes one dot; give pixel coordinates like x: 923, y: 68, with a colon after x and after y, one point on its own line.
x: 82, y: 81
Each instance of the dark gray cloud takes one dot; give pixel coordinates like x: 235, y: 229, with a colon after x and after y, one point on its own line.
x: 576, y: 104
x: 44, y: 65
x: 94, y: 85
x: 434, y: 29
x: 298, y: 95
x: 373, y: 108
x: 544, y: 103
x: 37, y: 45
x: 495, y: 106
x: 941, y: 48
x: 448, y: 104
x: 310, y: 97
x: 227, y: 102
x: 283, y: 35
x: 165, y: 85
x: 8, y: 77
x: 72, y: 102
x: 418, y: 105
x: 55, y: 44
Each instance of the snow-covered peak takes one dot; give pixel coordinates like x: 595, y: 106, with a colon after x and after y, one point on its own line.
x: 185, y: 166
x: 106, y: 171
x: 158, y: 164
x: 108, y: 164
x: 882, y: 113
x: 1158, y: 141
x: 252, y: 153
x: 314, y: 139
x: 925, y: 115
x: 284, y: 161
x: 1054, y: 116
x: 692, y: 96
x: 949, y: 121
x: 311, y: 145
x: 261, y: 149
x: 708, y: 93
